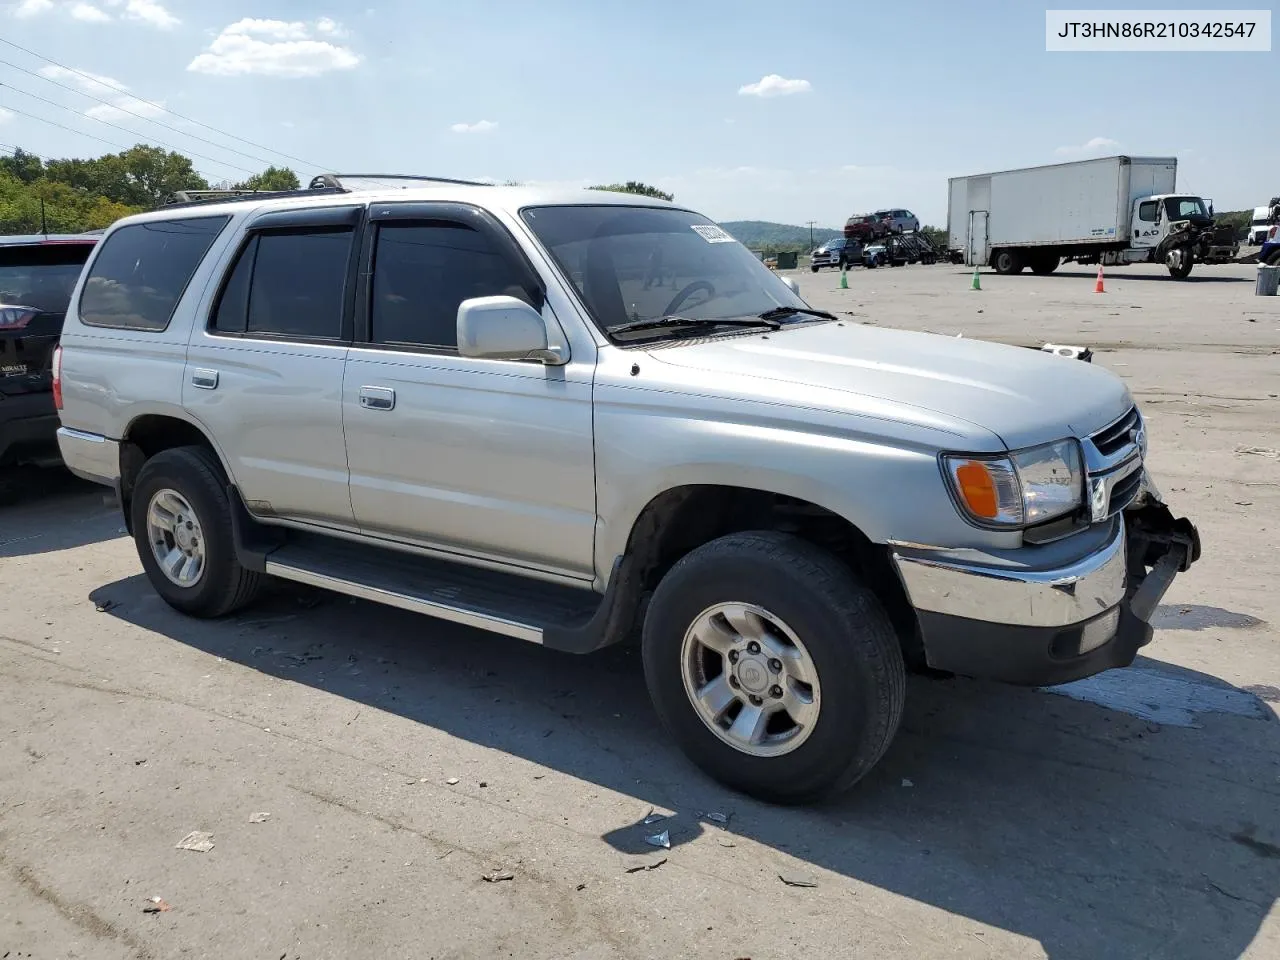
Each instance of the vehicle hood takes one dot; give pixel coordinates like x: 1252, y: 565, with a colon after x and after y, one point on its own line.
x: 1023, y: 396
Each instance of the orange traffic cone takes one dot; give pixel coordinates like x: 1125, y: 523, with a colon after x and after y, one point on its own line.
x: 1097, y: 287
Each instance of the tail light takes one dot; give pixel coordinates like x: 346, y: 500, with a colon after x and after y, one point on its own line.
x: 17, y: 318
x: 57, y: 377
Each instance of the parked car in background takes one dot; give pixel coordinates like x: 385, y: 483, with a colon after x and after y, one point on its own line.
x: 876, y: 255
x: 1259, y: 226
x: 864, y: 227
x: 37, y: 275
x: 897, y: 220
x: 839, y: 252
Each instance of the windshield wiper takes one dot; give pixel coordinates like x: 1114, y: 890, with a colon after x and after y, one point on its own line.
x: 657, y: 323
x: 777, y: 313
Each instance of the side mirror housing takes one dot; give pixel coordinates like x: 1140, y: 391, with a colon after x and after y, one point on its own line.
x: 504, y: 328
x: 795, y: 287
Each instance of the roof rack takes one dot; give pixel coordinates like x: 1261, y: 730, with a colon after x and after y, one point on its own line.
x: 350, y: 181
x: 200, y: 198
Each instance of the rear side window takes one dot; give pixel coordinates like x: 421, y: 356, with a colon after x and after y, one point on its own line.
x: 287, y: 284
x: 143, y: 269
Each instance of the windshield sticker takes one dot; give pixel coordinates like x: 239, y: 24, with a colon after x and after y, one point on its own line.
x: 711, y: 233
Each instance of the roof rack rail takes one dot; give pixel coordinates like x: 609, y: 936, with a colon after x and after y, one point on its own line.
x: 200, y: 198
x: 349, y: 181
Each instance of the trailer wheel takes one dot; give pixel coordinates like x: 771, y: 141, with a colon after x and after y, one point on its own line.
x: 1044, y: 265
x: 1006, y: 262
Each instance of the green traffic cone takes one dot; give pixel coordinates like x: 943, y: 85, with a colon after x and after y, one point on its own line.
x: 977, y: 285
x: 844, y: 278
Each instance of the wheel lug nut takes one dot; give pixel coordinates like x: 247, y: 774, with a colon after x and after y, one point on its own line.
x: 775, y: 691
x: 733, y: 656
x: 753, y: 647
x: 733, y: 682
x: 775, y: 666
x: 756, y: 701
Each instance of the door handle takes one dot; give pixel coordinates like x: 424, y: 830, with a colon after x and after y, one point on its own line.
x: 377, y: 398
x: 204, y: 378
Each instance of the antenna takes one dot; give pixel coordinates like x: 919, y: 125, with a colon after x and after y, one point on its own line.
x: 44, y: 226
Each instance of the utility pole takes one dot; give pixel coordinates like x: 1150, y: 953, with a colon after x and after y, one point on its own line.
x: 810, y: 225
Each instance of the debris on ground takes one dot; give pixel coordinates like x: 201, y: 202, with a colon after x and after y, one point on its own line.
x: 907, y: 783
x: 720, y: 818
x: 580, y: 887
x: 653, y: 817
x: 640, y: 868
x: 498, y: 876
x: 452, y: 781
x: 197, y: 841
x: 259, y: 817
x: 1269, y: 452
x: 662, y: 839
x: 726, y: 843
x: 483, y: 784
x: 797, y: 881
x: 105, y: 605
x: 138, y: 763
x: 156, y: 905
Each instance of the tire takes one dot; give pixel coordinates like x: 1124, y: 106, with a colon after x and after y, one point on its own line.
x: 1273, y: 259
x: 1182, y: 272
x: 196, y: 477
x: 1045, y: 265
x: 844, y: 632
x: 1006, y: 262
x: 814, y: 269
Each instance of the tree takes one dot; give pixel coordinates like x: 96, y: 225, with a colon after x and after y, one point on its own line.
x: 270, y: 179
x: 23, y: 166
x: 635, y: 186
x: 138, y: 177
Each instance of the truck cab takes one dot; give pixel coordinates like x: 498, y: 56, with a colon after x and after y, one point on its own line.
x: 1177, y: 230
x: 1259, y: 226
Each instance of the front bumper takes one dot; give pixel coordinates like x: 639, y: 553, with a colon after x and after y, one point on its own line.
x: 994, y: 617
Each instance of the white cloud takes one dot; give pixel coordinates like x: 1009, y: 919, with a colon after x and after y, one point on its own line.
x: 274, y: 48
x: 120, y: 102
x: 147, y: 11
x: 1089, y: 146
x: 774, y: 86
x: 480, y: 126
x: 32, y: 8
x: 330, y: 27
x: 89, y: 13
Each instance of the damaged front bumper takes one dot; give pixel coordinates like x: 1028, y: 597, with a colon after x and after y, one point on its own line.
x: 1079, y: 607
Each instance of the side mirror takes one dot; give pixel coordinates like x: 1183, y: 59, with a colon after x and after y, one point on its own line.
x: 795, y: 287
x: 504, y: 328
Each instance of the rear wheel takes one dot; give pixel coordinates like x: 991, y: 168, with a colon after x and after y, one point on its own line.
x: 182, y: 528
x: 1006, y: 262
x: 774, y: 668
x: 1045, y: 264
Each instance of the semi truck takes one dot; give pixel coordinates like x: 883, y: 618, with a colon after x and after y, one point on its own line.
x: 1109, y: 210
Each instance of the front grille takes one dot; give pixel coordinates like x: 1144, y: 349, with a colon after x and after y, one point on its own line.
x: 1111, y: 440
x: 1124, y: 491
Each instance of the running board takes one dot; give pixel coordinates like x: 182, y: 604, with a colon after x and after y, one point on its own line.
x: 515, y: 606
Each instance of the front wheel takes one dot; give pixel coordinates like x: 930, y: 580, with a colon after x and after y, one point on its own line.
x: 814, y: 269
x: 775, y: 669
x: 1179, y: 261
x: 182, y: 528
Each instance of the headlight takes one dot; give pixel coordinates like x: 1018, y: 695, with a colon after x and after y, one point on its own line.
x: 1018, y: 489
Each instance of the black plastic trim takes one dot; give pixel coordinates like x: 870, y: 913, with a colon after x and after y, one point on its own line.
x: 613, y: 620
x: 253, y: 541
x: 307, y: 218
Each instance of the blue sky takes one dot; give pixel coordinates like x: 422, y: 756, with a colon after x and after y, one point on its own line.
x: 745, y: 110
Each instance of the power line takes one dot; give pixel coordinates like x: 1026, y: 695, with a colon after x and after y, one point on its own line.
x: 116, y: 106
x: 132, y: 133
x: 159, y: 106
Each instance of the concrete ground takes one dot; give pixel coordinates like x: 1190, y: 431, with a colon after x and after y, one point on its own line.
x: 1138, y: 816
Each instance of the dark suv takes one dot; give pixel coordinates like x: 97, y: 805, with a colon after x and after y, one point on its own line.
x: 37, y: 275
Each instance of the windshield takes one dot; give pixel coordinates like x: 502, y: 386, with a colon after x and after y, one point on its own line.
x: 1259, y: 220
x: 45, y: 286
x: 1180, y: 208
x: 632, y: 264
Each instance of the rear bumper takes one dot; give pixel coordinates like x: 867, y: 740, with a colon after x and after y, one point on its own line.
x: 28, y: 425
x: 90, y: 456
x: 991, y: 617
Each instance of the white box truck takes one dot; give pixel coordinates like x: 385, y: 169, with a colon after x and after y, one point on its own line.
x: 1112, y: 210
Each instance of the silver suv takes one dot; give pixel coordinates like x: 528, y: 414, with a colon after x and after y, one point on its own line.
x: 898, y: 220
x: 583, y: 418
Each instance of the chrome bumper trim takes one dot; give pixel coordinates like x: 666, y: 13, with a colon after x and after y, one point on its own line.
x: 90, y: 456
x: 1055, y: 597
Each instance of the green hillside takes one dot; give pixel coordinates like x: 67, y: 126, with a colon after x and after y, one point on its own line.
x: 763, y: 234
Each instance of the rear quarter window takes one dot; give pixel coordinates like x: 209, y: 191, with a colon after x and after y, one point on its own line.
x: 142, y: 271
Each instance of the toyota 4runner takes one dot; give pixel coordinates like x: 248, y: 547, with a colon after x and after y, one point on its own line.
x: 466, y: 400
